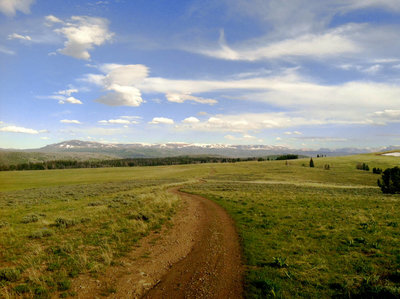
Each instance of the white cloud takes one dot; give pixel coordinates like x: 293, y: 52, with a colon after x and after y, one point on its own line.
x: 71, y: 100
x: 53, y: 19
x: 45, y: 138
x: 63, y: 96
x: 255, y: 122
x: 373, y: 69
x: 180, y: 98
x: 390, y: 5
x: 14, y: 129
x: 83, y: 33
x: 19, y: 36
x: 162, y: 120
x: 191, y: 120
x: 293, y: 133
x: 131, y: 117
x: 121, y: 96
x: 70, y: 121
x: 118, y: 121
x: 10, y: 7
x: 125, y: 82
x: 348, y: 102
x: 67, y: 92
x: 388, y: 115
x: 119, y: 80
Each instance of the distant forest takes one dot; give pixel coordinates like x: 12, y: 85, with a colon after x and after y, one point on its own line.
x: 68, y: 164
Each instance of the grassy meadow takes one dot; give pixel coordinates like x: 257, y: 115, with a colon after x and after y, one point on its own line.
x: 305, y: 232
x: 312, y: 232
x: 55, y: 225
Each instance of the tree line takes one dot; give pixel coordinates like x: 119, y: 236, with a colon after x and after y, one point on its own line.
x: 131, y: 162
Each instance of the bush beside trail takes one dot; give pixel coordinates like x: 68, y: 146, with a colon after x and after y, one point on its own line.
x: 390, y: 183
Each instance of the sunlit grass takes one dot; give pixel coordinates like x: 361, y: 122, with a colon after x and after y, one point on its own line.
x: 50, y: 235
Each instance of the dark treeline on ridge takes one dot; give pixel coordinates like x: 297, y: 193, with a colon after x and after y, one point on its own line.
x: 68, y: 164
x: 287, y: 157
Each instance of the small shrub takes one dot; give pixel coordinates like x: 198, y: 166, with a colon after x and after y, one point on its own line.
x: 261, y: 286
x: 279, y: 262
x: 390, y: 183
x: 64, y: 284
x: 30, y: 218
x: 95, y: 203
x: 362, y: 166
x: 3, y: 224
x: 9, y: 274
x: 327, y: 167
x: 376, y: 170
x: 393, y: 224
x: 64, y: 223
x: 41, y: 292
x: 21, y: 289
x: 85, y: 220
x: 40, y: 234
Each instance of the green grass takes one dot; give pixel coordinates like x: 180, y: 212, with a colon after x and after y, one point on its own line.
x: 50, y: 235
x: 310, y: 232
x: 306, y: 232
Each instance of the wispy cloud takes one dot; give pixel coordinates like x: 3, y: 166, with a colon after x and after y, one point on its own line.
x: 63, y: 96
x: 15, y: 129
x: 6, y: 51
x: 332, y: 43
x: 70, y: 121
x: 293, y: 133
x: 19, y: 36
x: 181, y: 98
x: 119, y: 121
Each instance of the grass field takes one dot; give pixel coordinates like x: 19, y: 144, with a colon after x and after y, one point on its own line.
x: 306, y: 232
x: 311, y: 232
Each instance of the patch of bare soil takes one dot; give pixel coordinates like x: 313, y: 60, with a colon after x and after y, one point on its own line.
x: 198, y: 257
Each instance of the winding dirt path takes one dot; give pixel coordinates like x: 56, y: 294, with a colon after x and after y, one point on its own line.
x: 198, y: 257
x: 213, y: 268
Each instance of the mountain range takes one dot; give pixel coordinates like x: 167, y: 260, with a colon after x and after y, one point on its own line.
x: 142, y: 150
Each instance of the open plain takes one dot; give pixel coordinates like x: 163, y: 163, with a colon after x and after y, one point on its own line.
x: 284, y: 230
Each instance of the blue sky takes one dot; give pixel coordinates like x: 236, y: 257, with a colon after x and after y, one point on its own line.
x: 297, y: 73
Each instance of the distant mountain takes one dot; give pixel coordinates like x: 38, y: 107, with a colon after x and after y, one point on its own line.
x: 138, y: 150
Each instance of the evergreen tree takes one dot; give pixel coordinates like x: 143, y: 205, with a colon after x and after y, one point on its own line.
x: 390, y: 181
x: 311, y: 163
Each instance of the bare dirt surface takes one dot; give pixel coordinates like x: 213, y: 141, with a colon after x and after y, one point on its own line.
x: 198, y: 257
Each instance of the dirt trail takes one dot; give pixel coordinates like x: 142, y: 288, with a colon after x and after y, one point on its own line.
x: 199, y: 257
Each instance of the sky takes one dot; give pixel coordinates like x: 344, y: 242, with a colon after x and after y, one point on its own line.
x: 297, y: 73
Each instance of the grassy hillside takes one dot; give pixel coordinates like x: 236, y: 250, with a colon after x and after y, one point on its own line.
x: 306, y: 231
x: 14, y: 158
